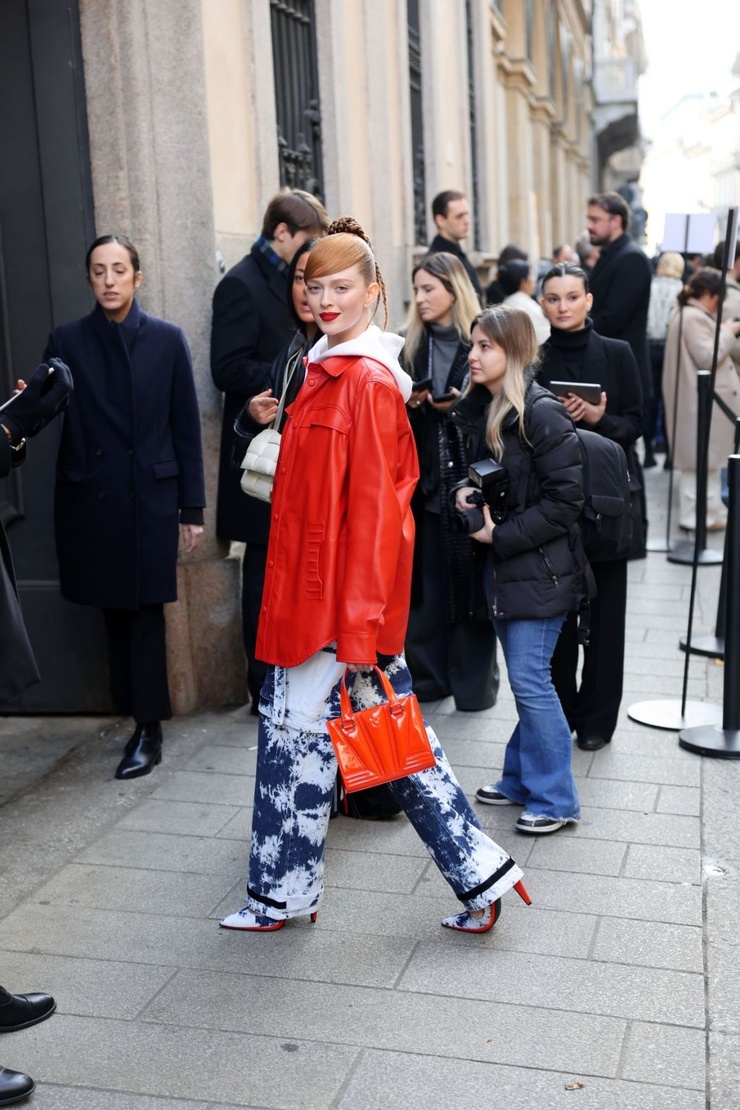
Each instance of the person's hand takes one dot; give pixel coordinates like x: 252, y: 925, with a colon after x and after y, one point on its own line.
x: 36, y: 403
x: 357, y: 668
x: 263, y: 407
x: 416, y: 400
x: 191, y: 536
x: 582, y: 411
x: 485, y: 535
x: 443, y: 406
x: 20, y: 385
x: 461, y: 497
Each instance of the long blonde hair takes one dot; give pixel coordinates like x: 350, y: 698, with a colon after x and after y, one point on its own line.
x: 512, y: 330
x: 453, y: 275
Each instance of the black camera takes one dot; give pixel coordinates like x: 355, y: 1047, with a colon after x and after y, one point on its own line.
x: 491, y: 483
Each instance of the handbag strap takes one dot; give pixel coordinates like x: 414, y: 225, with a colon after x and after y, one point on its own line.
x: 346, y: 705
x: 291, y: 369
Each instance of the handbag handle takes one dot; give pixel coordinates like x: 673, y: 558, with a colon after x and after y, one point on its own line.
x: 281, y: 406
x: 347, y: 713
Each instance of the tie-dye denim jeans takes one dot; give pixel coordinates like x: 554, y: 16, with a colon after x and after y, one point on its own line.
x: 296, y: 771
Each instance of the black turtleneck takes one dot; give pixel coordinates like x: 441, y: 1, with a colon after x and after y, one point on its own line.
x: 571, y: 347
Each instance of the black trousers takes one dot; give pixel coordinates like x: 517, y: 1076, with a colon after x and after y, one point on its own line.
x: 137, y: 653
x: 253, y: 580
x: 592, y: 709
x: 446, y: 658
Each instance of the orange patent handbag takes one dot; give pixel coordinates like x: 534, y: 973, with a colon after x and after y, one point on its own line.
x: 381, y: 743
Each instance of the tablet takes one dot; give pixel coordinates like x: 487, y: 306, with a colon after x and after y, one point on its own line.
x: 587, y: 391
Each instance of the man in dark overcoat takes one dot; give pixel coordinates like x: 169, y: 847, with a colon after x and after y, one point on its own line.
x: 451, y: 215
x: 251, y: 325
x: 620, y: 280
x: 27, y: 414
x: 620, y: 284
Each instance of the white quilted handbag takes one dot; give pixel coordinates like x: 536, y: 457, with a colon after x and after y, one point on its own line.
x: 260, y: 462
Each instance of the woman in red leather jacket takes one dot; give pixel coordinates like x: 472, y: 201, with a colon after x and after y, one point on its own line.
x: 336, y: 599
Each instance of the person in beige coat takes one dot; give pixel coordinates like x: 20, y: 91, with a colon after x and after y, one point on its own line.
x: 700, y: 301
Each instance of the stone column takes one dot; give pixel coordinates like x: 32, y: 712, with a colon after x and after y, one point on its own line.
x: 149, y: 152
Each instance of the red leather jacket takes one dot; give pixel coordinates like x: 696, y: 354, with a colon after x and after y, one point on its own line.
x: 342, y: 533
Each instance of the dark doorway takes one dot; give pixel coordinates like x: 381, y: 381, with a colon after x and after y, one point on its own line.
x: 46, y: 222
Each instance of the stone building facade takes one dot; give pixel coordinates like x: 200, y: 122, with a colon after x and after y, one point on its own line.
x: 194, y: 112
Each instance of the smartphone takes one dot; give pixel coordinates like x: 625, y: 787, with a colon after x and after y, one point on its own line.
x: 443, y: 397
x: 10, y: 400
x: 587, y: 391
x: 421, y: 386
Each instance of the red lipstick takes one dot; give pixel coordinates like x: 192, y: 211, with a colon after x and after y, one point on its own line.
x: 328, y: 316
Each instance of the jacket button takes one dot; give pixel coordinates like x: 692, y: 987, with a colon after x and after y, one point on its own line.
x: 271, y: 563
x: 312, y: 381
x: 264, y: 608
x: 101, y: 494
x: 130, y: 451
x: 99, y: 451
x: 282, y: 470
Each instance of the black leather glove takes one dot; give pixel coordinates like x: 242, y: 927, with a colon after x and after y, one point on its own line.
x: 45, y: 396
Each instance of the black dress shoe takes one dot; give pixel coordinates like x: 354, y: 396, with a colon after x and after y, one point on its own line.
x: 143, y: 751
x: 591, y: 743
x: 18, y: 1011
x: 14, y: 1086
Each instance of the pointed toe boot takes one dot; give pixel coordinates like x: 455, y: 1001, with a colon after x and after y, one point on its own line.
x: 143, y: 751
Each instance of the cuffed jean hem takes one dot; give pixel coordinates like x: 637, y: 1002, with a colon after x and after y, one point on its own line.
x: 495, y: 891
x: 538, y: 811
x: 299, y: 905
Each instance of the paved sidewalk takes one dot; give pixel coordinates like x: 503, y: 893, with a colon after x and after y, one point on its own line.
x: 619, y: 987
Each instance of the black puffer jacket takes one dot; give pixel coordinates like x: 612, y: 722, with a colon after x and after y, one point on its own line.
x: 532, y: 571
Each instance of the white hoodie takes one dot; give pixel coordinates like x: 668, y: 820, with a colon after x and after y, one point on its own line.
x: 382, y: 346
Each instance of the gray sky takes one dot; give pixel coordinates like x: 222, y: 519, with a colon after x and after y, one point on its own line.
x: 691, y: 46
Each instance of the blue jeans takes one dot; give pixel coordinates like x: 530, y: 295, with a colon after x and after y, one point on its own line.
x: 296, y: 771
x: 537, y: 765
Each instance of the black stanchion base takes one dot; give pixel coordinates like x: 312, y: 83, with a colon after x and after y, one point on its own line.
x: 684, y: 553
x: 713, y: 646
x: 711, y: 740
x: 667, y: 714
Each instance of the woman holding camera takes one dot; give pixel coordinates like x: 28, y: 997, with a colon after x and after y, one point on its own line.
x: 450, y: 643
x: 533, y: 578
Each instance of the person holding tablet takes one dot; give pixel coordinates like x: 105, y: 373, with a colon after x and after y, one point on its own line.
x: 606, y: 397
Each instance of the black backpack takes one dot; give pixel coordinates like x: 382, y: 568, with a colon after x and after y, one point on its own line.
x: 606, y: 518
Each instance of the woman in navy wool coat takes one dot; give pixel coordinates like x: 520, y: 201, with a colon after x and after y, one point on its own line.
x: 129, y: 470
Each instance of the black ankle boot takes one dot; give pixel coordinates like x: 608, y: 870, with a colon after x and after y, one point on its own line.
x: 143, y: 751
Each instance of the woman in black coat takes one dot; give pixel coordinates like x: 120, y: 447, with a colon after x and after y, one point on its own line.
x: 576, y: 353
x: 129, y: 483
x: 533, y: 578
x: 450, y: 642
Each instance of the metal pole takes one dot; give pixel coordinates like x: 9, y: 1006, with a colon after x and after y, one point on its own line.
x: 723, y: 742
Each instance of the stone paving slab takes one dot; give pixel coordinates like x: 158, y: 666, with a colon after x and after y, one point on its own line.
x: 49, y: 1096
x: 670, y: 865
x: 91, y: 988
x: 434, y: 1026
x: 558, y: 983
x: 387, y: 1079
x: 181, y: 1062
x: 129, y: 888
x: 652, y: 944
